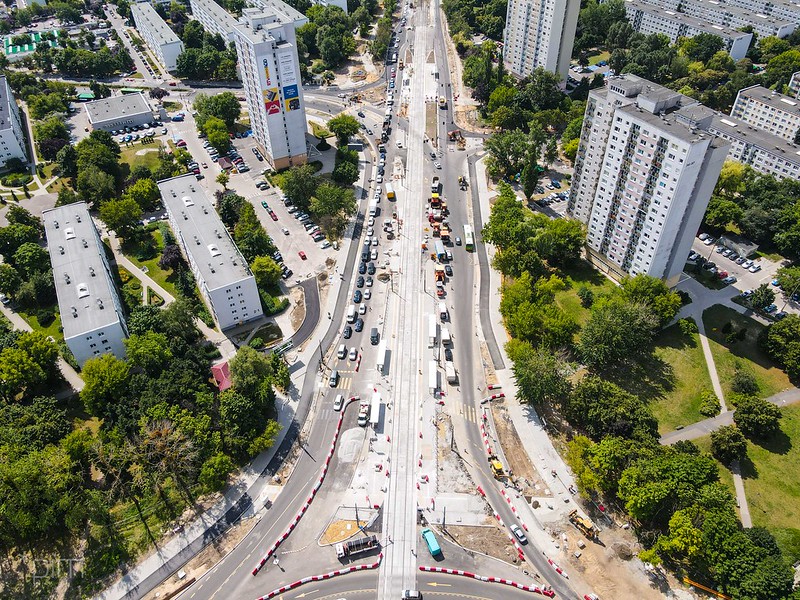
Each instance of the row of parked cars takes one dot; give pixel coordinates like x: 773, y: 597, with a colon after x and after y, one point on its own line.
x: 743, y: 261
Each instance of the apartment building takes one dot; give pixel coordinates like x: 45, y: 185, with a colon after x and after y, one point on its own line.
x: 282, y: 11
x: 222, y: 274
x: 769, y: 111
x: 786, y: 10
x: 118, y: 112
x: 732, y: 16
x: 12, y: 139
x: 647, y: 18
x: 270, y: 71
x: 794, y: 85
x: 642, y: 178
x: 213, y: 18
x: 539, y: 33
x: 162, y: 41
x: 90, y: 307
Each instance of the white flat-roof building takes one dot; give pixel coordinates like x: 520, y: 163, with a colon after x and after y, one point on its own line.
x: 282, y: 11
x: 270, y: 71
x: 539, y: 33
x: 647, y: 18
x: 116, y: 112
x: 158, y: 36
x: 794, y: 85
x: 769, y: 111
x: 222, y: 274
x: 213, y: 18
x: 642, y: 178
x: 91, y: 312
x: 12, y: 139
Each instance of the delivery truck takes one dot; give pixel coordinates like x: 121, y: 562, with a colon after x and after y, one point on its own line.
x: 375, y: 410
x: 383, y: 357
x: 446, y: 340
x: 450, y: 372
x: 356, y: 546
x: 389, y: 191
x: 433, y: 377
x: 373, y: 207
x: 432, y: 326
x: 443, y: 314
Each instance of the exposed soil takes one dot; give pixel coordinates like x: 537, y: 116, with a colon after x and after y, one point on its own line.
x: 298, y: 304
x: 527, y: 478
x: 452, y: 477
x: 339, y: 531
x: 489, y: 540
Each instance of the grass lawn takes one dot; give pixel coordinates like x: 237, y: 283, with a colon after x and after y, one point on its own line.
x: 49, y: 170
x: 52, y: 329
x: 57, y: 185
x: 596, y: 58
x: 581, y: 274
x: 680, y: 402
x: 163, y: 278
x: 319, y: 131
x: 149, y: 158
x: 746, y: 353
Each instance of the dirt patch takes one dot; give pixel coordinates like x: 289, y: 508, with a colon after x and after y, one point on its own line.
x: 488, y: 371
x: 452, y: 476
x: 430, y: 122
x: 297, y: 301
x: 526, y: 477
x: 339, y: 531
x: 204, y: 560
x: 489, y: 540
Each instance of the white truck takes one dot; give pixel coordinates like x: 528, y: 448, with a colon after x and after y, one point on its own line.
x: 383, y: 357
x: 433, y: 377
x: 443, y: 314
x: 375, y: 410
x: 373, y: 207
x: 356, y: 546
x: 432, y: 327
x: 435, y: 185
x: 446, y: 339
x: 450, y: 372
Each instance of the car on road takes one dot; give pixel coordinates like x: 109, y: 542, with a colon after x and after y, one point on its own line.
x: 708, y: 241
x: 779, y: 316
x: 265, y: 205
x: 318, y: 236
x: 399, y: 143
x: 359, y: 326
x: 519, y: 534
x: 369, y: 281
x: 771, y: 308
x: 273, y: 215
x: 703, y: 237
x: 347, y: 333
x: 367, y: 294
x: 437, y: 164
x: 287, y: 273
x: 302, y: 255
x: 325, y: 245
x: 362, y: 309
x: 448, y: 270
x: 754, y: 268
x: 353, y: 353
x: 338, y: 402
x: 361, y: 114
x: 369, y: 132
x: 285, y: 231
x: 776, y: 283
x: 458, y: 241
x: 729, y: 279
x: 360, y: 282
x: 357, y: 296
x: 374, y: 255
x: 362, y: 268
x: 448, y: 354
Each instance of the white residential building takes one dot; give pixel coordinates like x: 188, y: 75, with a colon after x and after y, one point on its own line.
x: 222, y: 274
x: 270, y: 72
x: 91, y: 312
x: 118, y: 112
x: 769, y: 111
x: 540, y: 33
x: 282, y: 11
x: 794, y: 85
x: 642, y: 178
x: 213, y: 18
x: 647, y: 18
x: 12, y: 139
x: 158, y: 36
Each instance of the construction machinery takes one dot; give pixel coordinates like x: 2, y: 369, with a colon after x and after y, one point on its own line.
x: 444, y: 232
x: 497, y: 467
x: 456, y: 136
x: 438, y: 273
x: 437, y: 228
x: 584, y: 525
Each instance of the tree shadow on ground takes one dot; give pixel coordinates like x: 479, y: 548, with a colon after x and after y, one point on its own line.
x: 780, y: 443
x: 748, y: 469
x: 650, y: 378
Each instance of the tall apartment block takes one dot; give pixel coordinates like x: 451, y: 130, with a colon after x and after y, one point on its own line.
x: 12, y: 140
x: 642, y: 178
x: 540, y: 33
x: 769, y: 111
x: 91, y: 312
x: 794, y: 85
x: 282, y: 11
x: 213, y: 18
x: 270, y: 71
x: 222, y: 274
x: 158, y: 36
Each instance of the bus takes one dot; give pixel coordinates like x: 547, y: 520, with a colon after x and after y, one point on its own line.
x: 469, y: 238
x: 130, y: 90
x: 430, y: 540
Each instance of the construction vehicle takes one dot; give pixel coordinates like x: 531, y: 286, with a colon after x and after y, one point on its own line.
x: 456, y: 136
x: 436, y: 227
x: 585, y: 526
x: 462, y: 182
x: 438, y: 273
x: 497, y: 467
x: 356, y: 546
x: 444, y: 232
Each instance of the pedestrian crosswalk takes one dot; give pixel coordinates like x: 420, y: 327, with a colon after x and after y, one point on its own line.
x: 469, y: 413
x: 344, y: 382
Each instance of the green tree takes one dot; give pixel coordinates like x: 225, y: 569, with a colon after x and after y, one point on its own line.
x: 145, y: 193
x: 17, y: 214
x: 52, y: 127
x: 250, y: 236
x: 251, y: 373
x: 789, y: 279
x: 300, y: 184
x: 504, y: 220
x: 702, y: 47
x: 95, y: 186
x: 224, y: 106
x: 223, y: 178
x: 19, y: 373
x: 508, y: 152
x: 781, y: 340
x: 30, y: 258
x: 106, y: 380
x: 757, y: 418
x: 334, y: 206
x: 15, y: 235
x: 345, y: 173
x: 762, y: 296
x: 217, y: 133
x: 149, y: 352
x: 654, y: 293
x: 10, y: 279
x: 721, y: 213
x: 266, y: 271
x: 529, y: 178
x: 343, y: 127
x: 616, y: 332
x: 540, y: 374
x: 121, y: 216
x: 214, y: 471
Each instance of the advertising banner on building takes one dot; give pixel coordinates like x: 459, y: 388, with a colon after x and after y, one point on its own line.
x: 266, y: 72
x: 272, y: 101
x: 291, y: 97
x: 286, y: 68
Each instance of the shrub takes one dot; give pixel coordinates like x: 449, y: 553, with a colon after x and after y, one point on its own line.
x: 709, y: 406
x: 214, y: 472
x: 45, y: 316
x: 727, y: 328
x: 744, y: 382
x: 256, y: 343
x: 687, y: 326
x: 16, y: 179
x: 135, y: 285
x: 124, y: 275
x: 728, y: 444
x: 586, y: 295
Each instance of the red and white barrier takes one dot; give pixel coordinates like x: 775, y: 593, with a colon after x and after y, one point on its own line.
x: 323, y: 577
x: 494, y: 386
x: 272, y: 549
x: 558, y: 569
x: 520, y: 586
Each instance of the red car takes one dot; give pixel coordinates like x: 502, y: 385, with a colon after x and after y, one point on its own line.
x: 302, y: 255
x: 172, y: 83
x: 273, y: 215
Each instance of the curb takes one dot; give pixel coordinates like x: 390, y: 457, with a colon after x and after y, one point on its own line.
x: 520, y: 586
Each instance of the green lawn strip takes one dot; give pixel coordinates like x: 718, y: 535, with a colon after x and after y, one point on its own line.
x: 52, y: 329
x: 680, y: 403
x: 164, y: 278
x: 148, y: 159
x: 579, y: 275
x: 596, y: 58
x: 745, y: 353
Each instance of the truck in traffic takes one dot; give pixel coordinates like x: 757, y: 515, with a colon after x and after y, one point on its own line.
x: 358, y: 546
x: 383, y: 357
x: 450, y: 372
x: 497, y: 467
x: 389, y: 191
x: 443, y: 314
x: 438, y: 273
x: 433, y: 377
x: 432, y: 327
x: 441, y: 253
x: 373, y: 207
x: 446, y: 340
x: 375, y: 410
x: 435, y: 185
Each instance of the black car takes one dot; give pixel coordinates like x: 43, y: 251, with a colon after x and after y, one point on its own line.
x: 287, y: 273
x: 278, y: 257
x: 433, y: 155
x: 448, y: 354
x: 362, y: 268
x: 359, y: 324
x: 360, y: 282
x: 370, y: 269
x: 448, y: 270
x: 361, y: 114
x: 348, y: 332
x: 357, y: 296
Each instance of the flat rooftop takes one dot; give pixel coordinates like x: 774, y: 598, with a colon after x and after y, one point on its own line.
x: 144, y: 13
x: 6, y: 100
x: 677, y: 17
x: 772, y: 98
x: 115, y: 107
x: 204, y: 235
x: 85, y: 292
x: 283, y: 11
x: 223, y: 18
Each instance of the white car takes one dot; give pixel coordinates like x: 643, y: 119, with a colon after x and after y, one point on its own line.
x: 371, y: 221
x: 399, y: 144
x: 325, y: 245
x: 370, y: 231
x: 338, y: 402
x: 375, y: 241
x: 379, y: 179
x: 367, y: 294
x: 362, y: 309
x: 374, y: 255
x: 353, y: 353
x: 285, y: 231
x: 437, y: 164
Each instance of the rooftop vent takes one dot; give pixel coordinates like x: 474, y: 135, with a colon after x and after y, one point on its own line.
x: 185, y: 218
x: 83, y: 290
x: 61, y: 249
x: 74, y: 311
x: 210, y: 266
x: 218, y: 234
x: 69, y: 233
x: 66, y: 278
x: 55, y: 224
x: 91, y: 271
x: 78, y: 218
x: 187, y: 200
x: 196, y: 240
x: 100, y: 304
x: 84, y: 242
x: 214, y: 250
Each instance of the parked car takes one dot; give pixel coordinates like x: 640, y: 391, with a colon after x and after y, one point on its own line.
x: 302, y: 255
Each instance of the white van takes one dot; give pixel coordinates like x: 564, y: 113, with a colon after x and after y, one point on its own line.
x: 351, y: 313
x: 342, y: 351
x: 445, y: 336
x: 443, y: 311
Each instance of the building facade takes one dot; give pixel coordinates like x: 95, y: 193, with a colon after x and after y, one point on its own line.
x: 214, y: 18
x: 12, y: 138
x: 158, y: 36
x: 769, y: 111
x: 540, y: 33
x: 794, y: 85
x: 642, y: 178
x: 270, y: 72
x: 222, y: 274
x: 647, y: 18
x: 118, y: 112
x: 91, y: 311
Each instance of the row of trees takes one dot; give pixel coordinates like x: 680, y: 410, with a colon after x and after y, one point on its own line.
x: 206, y: 56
